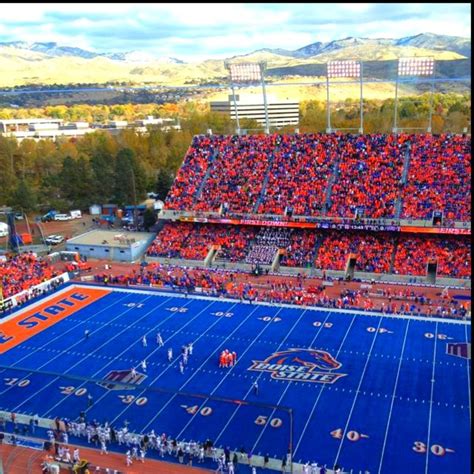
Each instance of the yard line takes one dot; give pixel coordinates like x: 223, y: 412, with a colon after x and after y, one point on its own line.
x: 124, y: 351
x: 212, y: 355
x: 357, y: 391
x: 428, y: 451
x: 94, y: 351
x: 393, y: 396
x: 256, y: 380
x: 287, y: 387
x: 171, y: 364
x: 321, y: 391
x: 468, y: 377
x: 60, y: 336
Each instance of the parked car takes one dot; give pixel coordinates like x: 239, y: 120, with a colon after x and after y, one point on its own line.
x: 54, y: 239
x: 62, y: 217
x: 19, y: 216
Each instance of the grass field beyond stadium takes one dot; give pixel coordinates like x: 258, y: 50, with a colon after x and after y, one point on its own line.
x: 376, y: 393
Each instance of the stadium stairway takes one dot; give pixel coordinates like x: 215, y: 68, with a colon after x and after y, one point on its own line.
x: 403, y: 181
x: 206, y: 176
x: 331, y: 181
x: 265, y: 182
x: 317, y: 245
x: 394, y: 252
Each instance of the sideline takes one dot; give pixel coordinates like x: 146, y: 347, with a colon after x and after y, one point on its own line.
x: 166, y: 292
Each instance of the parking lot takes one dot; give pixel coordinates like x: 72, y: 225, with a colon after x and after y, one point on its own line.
x: 38, y: 230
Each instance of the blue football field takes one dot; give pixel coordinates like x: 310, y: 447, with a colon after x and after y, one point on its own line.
x: 383, y: 394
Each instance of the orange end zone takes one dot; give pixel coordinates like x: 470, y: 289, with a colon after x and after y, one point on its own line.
x: 34, y: 320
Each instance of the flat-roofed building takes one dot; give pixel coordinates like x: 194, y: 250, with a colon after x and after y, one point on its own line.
x: 38, y: 129
x: 119, y: 246
x: 25, y: 125
x: 280, y: 113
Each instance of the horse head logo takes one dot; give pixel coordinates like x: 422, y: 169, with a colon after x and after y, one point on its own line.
x: 310, y: 358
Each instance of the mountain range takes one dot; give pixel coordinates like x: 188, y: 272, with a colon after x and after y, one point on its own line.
x: 52, y: 49
x: 25, y: 63
x: 431, y: 41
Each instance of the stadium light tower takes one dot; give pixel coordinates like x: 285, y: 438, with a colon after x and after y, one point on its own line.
x: 244, y: 73
x: 414, y: 67
x: 339, y: 69
x: 227, y: 65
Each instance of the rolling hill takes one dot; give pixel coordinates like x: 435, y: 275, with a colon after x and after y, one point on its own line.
x: 49, y: 63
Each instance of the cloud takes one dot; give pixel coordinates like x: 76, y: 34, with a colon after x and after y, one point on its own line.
x: 225, y: 29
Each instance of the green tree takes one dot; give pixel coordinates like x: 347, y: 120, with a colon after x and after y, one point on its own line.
x: 8, y: 178
x: 164, y: 181
x: 84, y: 192
x: 130, y: 178
x: 24, y: 197
x: 149, y: 219
x: 103, y: 177
x: 69, y: 179
x: 124, y: 186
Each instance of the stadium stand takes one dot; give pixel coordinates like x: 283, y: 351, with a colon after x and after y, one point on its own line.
x: 369, y: 173
x: 299, y: 167
x: 299, y: 174
x: 192, y: 172
x: 452, y: 254
x: 439, y: 178
x: 372, y: 251
x: 23, y: 271
x: 237, y: 177
x: 300, y: 251
x: 193, y: 241
x: 337, y: 175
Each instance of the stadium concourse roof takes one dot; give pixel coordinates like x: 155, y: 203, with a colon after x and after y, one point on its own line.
x: 111, y: 238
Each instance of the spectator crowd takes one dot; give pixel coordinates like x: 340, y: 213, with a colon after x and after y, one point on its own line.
x: 218, y: 282
x: 439, y: 178
x: 22, y: 271
x: 374, y: 252
x: 326, y: 174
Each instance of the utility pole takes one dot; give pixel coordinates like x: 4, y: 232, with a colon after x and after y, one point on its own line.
x: 134, y: 200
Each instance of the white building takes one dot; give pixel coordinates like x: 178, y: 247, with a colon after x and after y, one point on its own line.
x: 38, y: 129
x: 280, y: 113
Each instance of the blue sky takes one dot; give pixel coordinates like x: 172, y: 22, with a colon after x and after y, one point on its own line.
x: 210, y: 31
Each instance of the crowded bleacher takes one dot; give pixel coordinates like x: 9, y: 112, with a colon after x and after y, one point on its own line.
x: 301, y: 250
x: 453, y: 255
x: 439, y: 178
x: 193, y: 241
x: 21, y: 272
x: 368, y: 177
x: 276, y: 173
x: 192, y: 172
x: 299, y: 174
x: 334, y: 175
x: 236, y: 179
x: 372, y: 251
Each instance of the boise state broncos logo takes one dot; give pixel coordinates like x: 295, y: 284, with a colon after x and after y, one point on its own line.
x: 300, y: 365
x: 121, y: 378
